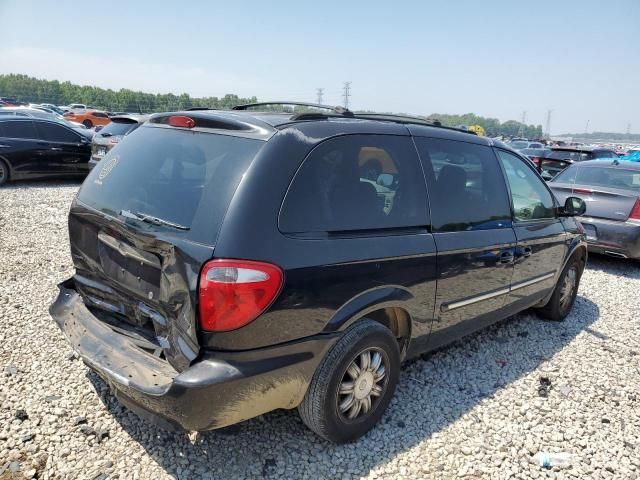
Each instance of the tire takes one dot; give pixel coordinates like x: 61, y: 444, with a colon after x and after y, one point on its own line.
x: 4, y: 172
x: 561, y: 302
x: 88, y: 123
x: 325, y: 410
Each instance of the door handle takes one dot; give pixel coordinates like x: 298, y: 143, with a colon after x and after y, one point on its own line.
x: 526, y: 252
x: 506, y: 256
x: 55, y: 149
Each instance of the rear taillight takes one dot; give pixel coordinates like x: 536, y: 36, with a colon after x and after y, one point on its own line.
x: 635, y: 211
x: 233, y: 293
x: 585, y: 191
x: 536, y: 161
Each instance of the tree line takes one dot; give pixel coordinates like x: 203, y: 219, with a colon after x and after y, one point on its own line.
x: 33, y: 90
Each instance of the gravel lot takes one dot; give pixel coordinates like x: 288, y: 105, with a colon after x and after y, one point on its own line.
x: 470, y: 411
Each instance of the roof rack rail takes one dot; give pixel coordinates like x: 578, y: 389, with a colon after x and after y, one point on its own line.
x: 335, y: 110
x: 407, y: 119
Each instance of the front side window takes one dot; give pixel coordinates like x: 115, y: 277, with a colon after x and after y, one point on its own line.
x: 467, y: 188
x: 530, y: 197
x: 356, y: 182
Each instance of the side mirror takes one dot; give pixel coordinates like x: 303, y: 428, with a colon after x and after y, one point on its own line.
x: 385, y: 179
x: 98, y: 128
x: 573, y: 206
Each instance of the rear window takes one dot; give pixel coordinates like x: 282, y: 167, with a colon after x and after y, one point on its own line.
x: 570, y: 155
x: 519, y: 145
x: 602, y: 177
x: 117, y: 128
x: 184, y: 177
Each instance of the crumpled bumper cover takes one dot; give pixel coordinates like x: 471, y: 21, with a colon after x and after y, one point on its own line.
x: 217, y: 390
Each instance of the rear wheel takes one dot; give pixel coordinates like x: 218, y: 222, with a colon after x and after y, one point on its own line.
x: 4, y: 172
x: 354, y: 383
x: 88, y: 123
x: 564, y: 295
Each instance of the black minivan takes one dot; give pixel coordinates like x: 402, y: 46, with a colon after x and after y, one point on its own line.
x: 229, y: 263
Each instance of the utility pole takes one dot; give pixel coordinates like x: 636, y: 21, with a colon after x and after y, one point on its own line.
x: 586, y: 129
x: 521, y: 129
x: 628, y: 128
x: 549, y: 123
x: 346, y: 94
x: 319, y: 92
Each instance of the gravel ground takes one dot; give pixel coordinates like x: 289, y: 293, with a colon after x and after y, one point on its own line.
x: 472, y: 410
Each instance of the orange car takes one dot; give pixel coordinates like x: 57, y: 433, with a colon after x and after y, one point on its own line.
x: 89, y: 118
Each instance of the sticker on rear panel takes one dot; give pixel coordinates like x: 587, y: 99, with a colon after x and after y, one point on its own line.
x: 106, y: 170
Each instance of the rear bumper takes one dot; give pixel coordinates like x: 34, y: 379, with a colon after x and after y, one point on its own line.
x: 621, y: 239
x: 218, y: 390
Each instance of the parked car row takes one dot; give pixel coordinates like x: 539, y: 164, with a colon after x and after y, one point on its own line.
x: 36, y: 145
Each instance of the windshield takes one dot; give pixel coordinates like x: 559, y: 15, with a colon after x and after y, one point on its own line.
x: 519, y: 145
x: 602, y: 177
x: 181, y: 177
x: 573, y: 155
x: 117, y: 128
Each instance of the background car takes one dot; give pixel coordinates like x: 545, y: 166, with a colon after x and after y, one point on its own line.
x: 110, y: 135
x: 535, y: 154
x: 36, y: 148
x: 89, y: 118
x: 611, y: 190
x: 519, y: 144
x: 561, y: 157
x: 38, y: 113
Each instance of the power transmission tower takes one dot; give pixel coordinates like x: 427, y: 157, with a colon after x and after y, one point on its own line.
x: 346, y: 94
x: 319, y: 92
x: 586, y: 128
x: 521, y: 129
x: 549, y: 123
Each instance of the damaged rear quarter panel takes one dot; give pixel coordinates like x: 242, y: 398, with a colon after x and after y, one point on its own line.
x: 146, y: 277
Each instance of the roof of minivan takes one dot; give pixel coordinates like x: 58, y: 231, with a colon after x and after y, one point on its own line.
x: 319, y: 128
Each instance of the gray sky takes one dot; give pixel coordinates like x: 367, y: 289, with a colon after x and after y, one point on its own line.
x: 580, y: 58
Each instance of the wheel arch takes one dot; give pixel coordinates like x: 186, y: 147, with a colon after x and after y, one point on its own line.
x: 385, y: 305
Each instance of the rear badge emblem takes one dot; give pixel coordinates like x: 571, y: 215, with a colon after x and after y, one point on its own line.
x: 150, y: 295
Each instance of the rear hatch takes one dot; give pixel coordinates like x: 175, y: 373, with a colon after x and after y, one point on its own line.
x: 110, y: 135
x: 143, y: 224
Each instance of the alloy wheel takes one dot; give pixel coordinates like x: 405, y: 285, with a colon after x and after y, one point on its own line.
x: 568, y: 286
x: 363, y: 383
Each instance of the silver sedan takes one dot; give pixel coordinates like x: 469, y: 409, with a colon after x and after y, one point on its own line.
x: 611, y: 191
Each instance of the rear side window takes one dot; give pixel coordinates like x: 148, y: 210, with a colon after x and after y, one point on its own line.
x: 357, y: 182
x: 531, y: 199
x: 467, y: 188
x: 20, y: 130
x: 100, y: 115
x: 187, y: 178
x: 57, y: 133
x: 604, y: 154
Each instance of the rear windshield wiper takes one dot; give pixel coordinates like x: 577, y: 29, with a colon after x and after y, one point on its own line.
x: 144, y: 217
